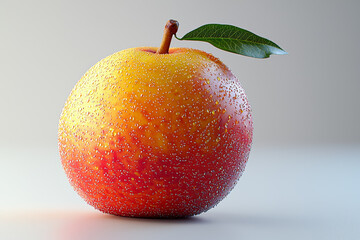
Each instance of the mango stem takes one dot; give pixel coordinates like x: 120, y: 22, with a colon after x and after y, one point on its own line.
x: 171, y: 28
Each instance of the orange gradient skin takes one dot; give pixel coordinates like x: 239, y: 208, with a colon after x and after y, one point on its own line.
x: 155, y: 135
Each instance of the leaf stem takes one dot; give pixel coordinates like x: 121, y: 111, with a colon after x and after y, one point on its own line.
x: 171, y: 28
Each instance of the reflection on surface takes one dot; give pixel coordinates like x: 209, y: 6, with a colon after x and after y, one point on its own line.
x: 206, y: 226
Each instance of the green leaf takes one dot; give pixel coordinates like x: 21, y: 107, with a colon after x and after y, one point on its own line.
x: 234, y: 39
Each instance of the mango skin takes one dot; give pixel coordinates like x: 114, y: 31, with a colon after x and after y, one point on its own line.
x: 155, y: 135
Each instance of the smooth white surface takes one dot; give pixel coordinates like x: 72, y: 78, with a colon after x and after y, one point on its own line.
x: 285, y: 193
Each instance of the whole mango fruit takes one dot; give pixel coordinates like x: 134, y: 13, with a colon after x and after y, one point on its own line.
x: 145, y: 134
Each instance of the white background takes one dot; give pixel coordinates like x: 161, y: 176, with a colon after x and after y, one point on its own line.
x: 303, y: 173
x: 309, y: 96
